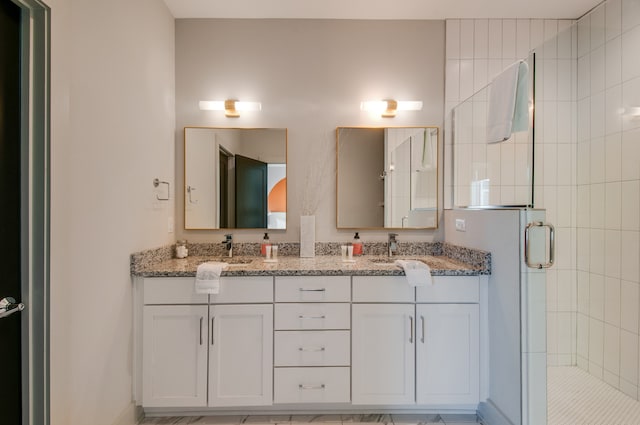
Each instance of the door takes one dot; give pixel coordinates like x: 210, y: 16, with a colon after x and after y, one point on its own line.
x: 448, y: 341
x: 383, y: 360
x: 241, y: 355
x: 174, y: 371
x: 10, y: 223
x: 251, y: 193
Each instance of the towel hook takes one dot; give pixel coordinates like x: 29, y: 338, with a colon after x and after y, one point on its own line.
x: 157, y: 182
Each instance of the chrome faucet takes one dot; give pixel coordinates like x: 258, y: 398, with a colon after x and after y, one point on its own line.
x: 393, y: 244
x: 228, y: 244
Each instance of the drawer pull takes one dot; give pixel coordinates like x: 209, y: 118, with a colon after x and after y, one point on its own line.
x: 201, y: 319
x: 311, y: 349
x: 312, y: 317
x: 410, y: 329
x: 311, y: 387
x: 312, y: 290
x: 423, y: 330
x: 212, y: 330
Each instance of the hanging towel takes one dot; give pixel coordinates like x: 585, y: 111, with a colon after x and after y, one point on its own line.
x: 208, y: 277
x: 417, y: 272
x: 508, y: 103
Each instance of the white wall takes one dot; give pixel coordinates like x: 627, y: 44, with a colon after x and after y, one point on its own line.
x: 310, y: 76
x: 112, y: 133
x: 608, y: 178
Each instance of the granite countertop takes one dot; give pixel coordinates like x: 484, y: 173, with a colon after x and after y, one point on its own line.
x: 321, y: 265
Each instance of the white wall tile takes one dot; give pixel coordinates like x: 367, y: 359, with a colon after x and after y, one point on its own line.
x: 613, y: 146
x: 597, y: 115
x: 612, y: 349
x: 536, y: 33
x: 630, y: 196
x: 583, y: 164
x: 597, y: 27
x: 630, y: 59
x: 630, y: 155
x: 584, y: 76
x: 630, y: 14
x: 563, y: 247
x: 452, y: 40
x: 597, y: 77
x: 597, y: 206
x: 509, y: 39
x: 629, y: 300
x: 564, y: 333
x: 613, y: 62
x: 629, y: 357
x: 522, y: 38
x: 583, y: 336
x: 495, y: 39
x: 565, y: 79
x: 630, y: 257
x: 481, y: 39
x: 551, y: 41
x: 630, y: 103
x: 452, y: 83
x: 613, y: 203
x: 584, y: 36
x: 613, y: 110
x: 466, y: 78
x: 583, y: 213
x: 565, y: 39
x: 596, y: 251
x: 552, y: 328
x: 565, y: 211
x: 582, y: 259
x: 466, y: 38
x: 612, y: 301
x: 597, y: 160
x: 612, y: 254
x: 613, y: 19
x: 565, y: 291
x: 584, y: 118
x: 480, y: 78
x: 596, y: 297
x: 596, y: 341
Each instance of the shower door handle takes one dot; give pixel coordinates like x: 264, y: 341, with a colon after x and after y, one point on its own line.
x: 552, y: 245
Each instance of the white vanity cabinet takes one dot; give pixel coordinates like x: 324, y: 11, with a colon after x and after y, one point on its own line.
x: 416, y: 345
x: 312, y: 339
x: 206, y: 350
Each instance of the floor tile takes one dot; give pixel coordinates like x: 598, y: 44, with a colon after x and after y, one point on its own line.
x: 455, y: 419
x: 217, y: 420
x: 415, y: 419
x: 275, y: 419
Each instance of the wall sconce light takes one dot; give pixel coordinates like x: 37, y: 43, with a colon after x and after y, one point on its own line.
x: 388, y: 108
x: 230, y: 107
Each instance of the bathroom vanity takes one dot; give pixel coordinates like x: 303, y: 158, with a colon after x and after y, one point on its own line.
x: 309, y: 335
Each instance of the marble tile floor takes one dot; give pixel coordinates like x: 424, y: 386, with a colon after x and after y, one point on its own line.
x: 373, y: 419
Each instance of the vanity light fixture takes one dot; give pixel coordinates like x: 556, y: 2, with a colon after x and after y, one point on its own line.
x: 388, y: 108
x: 230, y: 107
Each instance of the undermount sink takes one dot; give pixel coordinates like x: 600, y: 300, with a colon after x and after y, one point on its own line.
x: 233, y: 261
x: 391, y: 261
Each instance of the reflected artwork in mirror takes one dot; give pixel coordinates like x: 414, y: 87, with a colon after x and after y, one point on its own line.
x: 235, y: 178
x: 387, y: 177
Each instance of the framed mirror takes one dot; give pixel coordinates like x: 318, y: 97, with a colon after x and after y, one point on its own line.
x: 387, y: 177
x: 235, y: 178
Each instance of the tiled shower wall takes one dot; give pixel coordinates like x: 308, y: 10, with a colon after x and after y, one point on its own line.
x: 608, y: 193
x: 479, y: 49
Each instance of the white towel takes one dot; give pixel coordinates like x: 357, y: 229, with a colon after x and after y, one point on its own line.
x: 208, y: 277
x: 417, y: 272
x: 508, y: 86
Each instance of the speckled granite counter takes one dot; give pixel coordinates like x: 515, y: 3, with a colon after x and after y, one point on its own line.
x: 450, y: 261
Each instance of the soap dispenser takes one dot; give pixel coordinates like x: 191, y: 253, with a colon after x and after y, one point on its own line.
x: 265, y: 243
x: 357, y: 245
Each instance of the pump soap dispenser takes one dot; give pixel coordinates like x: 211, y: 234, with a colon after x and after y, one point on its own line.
x: 357, y: 245
x: 265, y: 243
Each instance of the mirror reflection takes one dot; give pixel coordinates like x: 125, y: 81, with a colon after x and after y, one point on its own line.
x: 387, y: 177
x: 235, y: 178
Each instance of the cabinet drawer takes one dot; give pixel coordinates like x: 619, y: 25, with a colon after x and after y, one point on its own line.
x: 450, y: 289
x: 172, y: 290
x: 312, y: 316
x: 313, y: 289
x: 312, y: 348
x: 311, y: 385
x: 382, y: 289
x: 251, y: 289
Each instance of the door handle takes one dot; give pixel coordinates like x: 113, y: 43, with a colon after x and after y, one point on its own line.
x: 552, y: 245
x: 8, y: 306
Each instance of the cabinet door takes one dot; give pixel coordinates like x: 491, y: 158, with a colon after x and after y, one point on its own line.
x: 174, y: 367
x: 383, y: 360
x: 447, y: 353
x: 241, y: 355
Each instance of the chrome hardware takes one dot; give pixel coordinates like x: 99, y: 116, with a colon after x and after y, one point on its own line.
x: 8, y: 306
x: 228, y: 244
x: 393, y: 244
x: 311, y: 387
x: 212, y: 329
x: 190, y: 190
x: 312, y: 290
x: 157, y: 182
x: 312, y: 317
x: 201, y: 319
x: 411, y: 329
x: 406, y: 217
x: 552, y: 245
x: 423, y: 331
x: 311, y: 349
